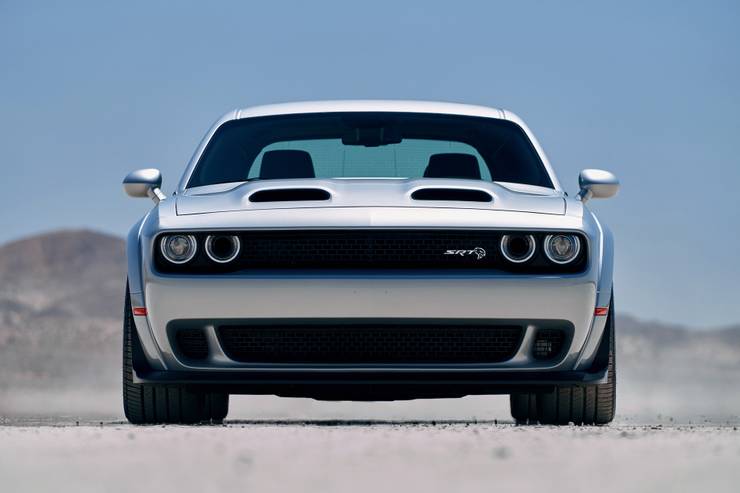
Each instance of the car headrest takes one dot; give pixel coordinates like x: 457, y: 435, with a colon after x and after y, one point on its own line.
x: 286, y: 164
x: 453, y: 165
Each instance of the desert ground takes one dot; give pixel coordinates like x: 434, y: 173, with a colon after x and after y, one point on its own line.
x: 273, y: 444
x: 368, y: 456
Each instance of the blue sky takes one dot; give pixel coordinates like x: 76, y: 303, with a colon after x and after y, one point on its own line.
x: 648, y: 90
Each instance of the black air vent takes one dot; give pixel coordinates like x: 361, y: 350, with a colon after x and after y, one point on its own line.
x: 384, y: 343
x: 456, y: 194
x: 548, y: 343
x: 289, y: 195
x: 192, y: 343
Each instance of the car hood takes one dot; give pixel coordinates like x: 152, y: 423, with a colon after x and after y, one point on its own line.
x: 327, y: 193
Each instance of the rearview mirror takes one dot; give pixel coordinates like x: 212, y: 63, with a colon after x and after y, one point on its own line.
x: 372, y: 136
x: 597, y: 184
x: 144, y: 183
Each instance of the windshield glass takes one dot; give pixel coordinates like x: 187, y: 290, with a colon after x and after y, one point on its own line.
x: 359, y: 145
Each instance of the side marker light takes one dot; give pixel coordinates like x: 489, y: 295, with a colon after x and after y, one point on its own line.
x: 601, y: 311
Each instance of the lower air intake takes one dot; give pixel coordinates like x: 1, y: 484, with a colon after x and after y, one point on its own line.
x: 370, y: 344
x: 192, y: 343
x: 548, y: 343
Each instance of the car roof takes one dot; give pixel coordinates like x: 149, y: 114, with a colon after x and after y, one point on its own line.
x: 342, y: 106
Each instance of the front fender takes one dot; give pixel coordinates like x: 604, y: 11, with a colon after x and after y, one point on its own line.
x: 134, y: 260
x: 604, y: 288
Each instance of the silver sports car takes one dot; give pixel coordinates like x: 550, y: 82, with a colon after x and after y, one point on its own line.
x: 369, y: 250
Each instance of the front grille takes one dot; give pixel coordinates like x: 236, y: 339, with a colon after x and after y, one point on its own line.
x: 192, y: 343
x: 370, y: 249
x: 367, y: 248
x: 370, y: 344
x: 548, y: 343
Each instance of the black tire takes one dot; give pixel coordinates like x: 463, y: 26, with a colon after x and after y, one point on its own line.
x: 577, y: 404
x: 524, y: 407
x: 166, y: 404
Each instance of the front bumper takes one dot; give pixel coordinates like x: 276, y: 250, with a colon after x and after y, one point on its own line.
x: 531, y: 301
x: 374, y: 384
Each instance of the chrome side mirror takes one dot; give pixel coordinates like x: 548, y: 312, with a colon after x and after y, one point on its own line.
x: 144, y: 183
x: 597, y: 184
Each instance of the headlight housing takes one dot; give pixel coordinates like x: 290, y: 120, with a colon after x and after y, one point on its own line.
x: 178, y: 248
x: 518, y: 248
x: 222, y: 249
x: 562, y: 248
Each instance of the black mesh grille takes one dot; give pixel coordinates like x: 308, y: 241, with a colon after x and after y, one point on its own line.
x: 548, y: 343
x: 370, y: 249
x: 192, y: 343
x: 365, y: 248
x: 370, y: 344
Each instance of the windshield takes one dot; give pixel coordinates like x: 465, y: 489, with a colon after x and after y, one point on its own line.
x: 378, y: 145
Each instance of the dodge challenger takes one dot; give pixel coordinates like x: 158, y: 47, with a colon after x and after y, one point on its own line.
x: 369, y: 250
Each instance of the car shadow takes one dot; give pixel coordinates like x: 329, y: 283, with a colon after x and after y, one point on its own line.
x: 364, y: 422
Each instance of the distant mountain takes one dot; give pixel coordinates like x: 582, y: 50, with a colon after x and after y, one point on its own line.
x: 61, y: 300
x: 76, y: 272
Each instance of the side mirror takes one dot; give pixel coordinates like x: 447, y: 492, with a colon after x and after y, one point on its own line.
x: 597, y: 184
x: 144, y: 183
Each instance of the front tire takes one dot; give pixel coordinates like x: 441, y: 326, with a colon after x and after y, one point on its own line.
x: 577, y: 404
x: 167, y: 404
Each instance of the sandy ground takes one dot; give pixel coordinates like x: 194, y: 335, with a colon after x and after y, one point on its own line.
x: 453, y: 445
x: 367, y: 456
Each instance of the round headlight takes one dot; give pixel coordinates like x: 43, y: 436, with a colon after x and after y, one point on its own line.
x: 178, y: 249
x: 562, y: 248
x: 222, y: 248
x: 518, y: 248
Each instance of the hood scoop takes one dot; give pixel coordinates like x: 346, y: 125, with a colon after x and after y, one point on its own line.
x: 452, y: 194
x: 427, y: 193
x: 289, y: 195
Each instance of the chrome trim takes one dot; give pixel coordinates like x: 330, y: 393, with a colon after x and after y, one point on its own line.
x: 597, y: 184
